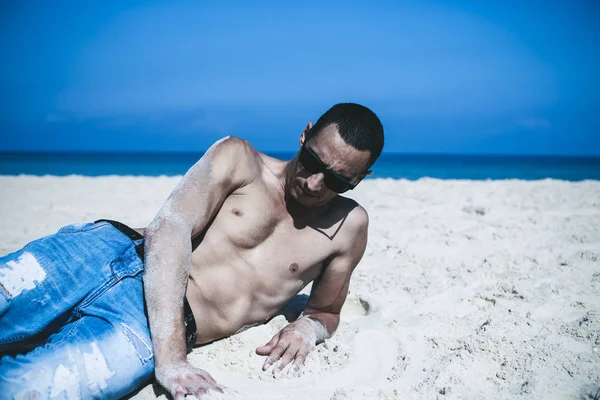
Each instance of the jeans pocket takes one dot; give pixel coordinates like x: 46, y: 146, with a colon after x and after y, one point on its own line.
x: 128, y: 266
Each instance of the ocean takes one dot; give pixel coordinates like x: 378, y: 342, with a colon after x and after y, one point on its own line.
x: 396, y: 166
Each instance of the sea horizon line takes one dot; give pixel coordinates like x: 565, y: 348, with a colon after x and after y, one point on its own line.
x: 287, y: 152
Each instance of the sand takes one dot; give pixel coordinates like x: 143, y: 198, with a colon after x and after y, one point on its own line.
x: 467, y: 290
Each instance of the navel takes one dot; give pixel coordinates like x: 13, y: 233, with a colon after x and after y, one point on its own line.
x: 237, y: 212
x: 293, y: 267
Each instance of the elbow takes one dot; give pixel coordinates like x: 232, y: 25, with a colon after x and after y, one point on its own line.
x: 165, y: 240
x: 174, y: 226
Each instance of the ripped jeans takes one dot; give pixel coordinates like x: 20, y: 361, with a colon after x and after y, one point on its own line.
x: 72, y: 317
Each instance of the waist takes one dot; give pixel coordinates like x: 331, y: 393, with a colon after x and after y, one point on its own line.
x: 132, y: 234
x: 189, y: 321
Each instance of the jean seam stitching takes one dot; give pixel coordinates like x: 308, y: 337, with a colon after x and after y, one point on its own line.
x: 94, y: 296
x: 115, y: 279
x: 71, y: 329
x: 122, y: 258
x: 91, y: 228
x: 13, y: 339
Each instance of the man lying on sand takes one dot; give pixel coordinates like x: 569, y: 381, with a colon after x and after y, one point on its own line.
x: 73, y: 305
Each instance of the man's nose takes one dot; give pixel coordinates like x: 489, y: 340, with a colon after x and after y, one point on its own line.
x: 315, y: 182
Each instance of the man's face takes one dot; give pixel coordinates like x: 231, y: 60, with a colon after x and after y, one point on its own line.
x: 310, y: 189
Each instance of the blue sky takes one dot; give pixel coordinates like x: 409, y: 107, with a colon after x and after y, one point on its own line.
x: 444, y: 77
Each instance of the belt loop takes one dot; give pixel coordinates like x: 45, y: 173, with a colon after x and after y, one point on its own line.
x: 132, y: 234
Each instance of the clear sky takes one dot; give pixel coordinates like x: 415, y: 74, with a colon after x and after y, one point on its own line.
x: 506, y: 77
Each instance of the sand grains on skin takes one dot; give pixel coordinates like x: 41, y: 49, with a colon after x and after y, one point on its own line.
x: 468, y: 289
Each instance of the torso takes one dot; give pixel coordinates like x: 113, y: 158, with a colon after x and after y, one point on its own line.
x: 254, y: 257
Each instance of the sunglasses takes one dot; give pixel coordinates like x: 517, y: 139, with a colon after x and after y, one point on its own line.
x: 313, y: 164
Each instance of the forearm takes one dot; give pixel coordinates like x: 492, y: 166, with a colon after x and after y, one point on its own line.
x: 167, y: 262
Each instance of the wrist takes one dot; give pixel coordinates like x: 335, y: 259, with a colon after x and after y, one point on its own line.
x: 168, y: 360
x: 318, y: 328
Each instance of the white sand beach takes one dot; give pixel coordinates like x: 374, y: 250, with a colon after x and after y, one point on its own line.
x: 467, y: 290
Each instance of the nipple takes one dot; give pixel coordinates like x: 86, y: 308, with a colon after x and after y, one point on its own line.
x: 294, y: 267
x: 237, y: 212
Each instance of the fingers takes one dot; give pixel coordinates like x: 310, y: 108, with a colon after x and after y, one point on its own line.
x: 179, y: 396
x: 197, y: 389
x: 205, y: 384
x: 218, y: 389
x: 298, y: 363
x: 197, y: 385
x: 285, y: 359
x: 266, y: 349
x: 208, y: 378
x: 299, y: 360
x: 275, y: 354
x: 212, y: 385
x: 283, y: 349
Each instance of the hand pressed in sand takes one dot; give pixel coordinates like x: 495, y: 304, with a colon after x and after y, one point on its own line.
x: 292, y: 343
x: 182, y: 379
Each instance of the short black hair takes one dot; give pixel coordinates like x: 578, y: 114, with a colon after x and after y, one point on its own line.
x: 358, y: 126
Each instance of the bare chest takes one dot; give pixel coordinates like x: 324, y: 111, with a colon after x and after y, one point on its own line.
x: 253, y: 231
x: 247, y: 221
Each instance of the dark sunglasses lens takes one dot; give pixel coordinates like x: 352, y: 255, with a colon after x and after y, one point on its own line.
x: 313, y: 165
x: 309, y: 162
x: 336, y: 184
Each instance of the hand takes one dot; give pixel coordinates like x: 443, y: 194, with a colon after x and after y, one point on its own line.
x: 292, y: 343
x: 181, y: 379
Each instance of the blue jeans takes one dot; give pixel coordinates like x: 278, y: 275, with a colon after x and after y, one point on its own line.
x: 72, y: 317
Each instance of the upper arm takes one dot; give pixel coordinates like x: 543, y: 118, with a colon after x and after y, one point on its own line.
x: 330, y: 289
x: 226, y: 166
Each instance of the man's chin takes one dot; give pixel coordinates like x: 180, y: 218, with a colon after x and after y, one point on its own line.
x: 304, y: 199
x: 309, y: 202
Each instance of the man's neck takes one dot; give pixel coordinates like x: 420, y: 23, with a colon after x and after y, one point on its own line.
x: 296, y: 210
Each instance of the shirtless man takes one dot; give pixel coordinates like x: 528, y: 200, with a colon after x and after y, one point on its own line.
x: 261, y: 229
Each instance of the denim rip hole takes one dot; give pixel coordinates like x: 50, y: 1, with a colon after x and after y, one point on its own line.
x: 141, y: 347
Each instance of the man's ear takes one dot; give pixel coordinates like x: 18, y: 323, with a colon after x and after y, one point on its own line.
x: 364, y: 174
x: 305, y: 132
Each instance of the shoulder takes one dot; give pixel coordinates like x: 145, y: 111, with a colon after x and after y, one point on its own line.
x: 230, y: 158
x: 355, y: 227
x: 350, y: 240
x: 357, y: 218
x: 232, y: 148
